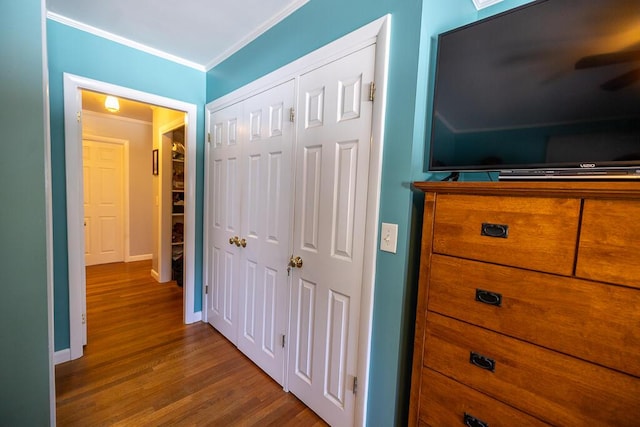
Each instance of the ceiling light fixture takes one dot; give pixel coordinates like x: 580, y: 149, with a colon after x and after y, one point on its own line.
x: 111, y: 104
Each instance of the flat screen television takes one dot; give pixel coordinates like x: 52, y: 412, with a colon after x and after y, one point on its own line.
x: 549, y: 88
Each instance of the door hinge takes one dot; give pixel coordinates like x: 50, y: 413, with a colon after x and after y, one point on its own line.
x: 283, y: 340
x: 208, y: 136
x: 292, y: 114
x: 206, y: 289
x: 355, y: 385
x: 372, y: 91
x: 84, y: 318
x: 79, y: 116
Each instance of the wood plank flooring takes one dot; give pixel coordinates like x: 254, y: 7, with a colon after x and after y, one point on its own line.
x: 143, y: 367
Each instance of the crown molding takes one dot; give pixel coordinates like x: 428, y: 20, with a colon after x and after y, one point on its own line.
x: 275, y: 19
x: 481, y: 4
x: 123, y: 41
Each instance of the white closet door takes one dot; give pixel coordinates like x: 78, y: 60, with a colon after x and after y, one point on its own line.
x: 266, y: 227
x: 103, y: 202
x: 223, y: 223
x: 332, y: 165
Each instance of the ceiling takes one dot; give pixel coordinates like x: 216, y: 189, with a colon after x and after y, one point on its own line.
x: 197, y: 33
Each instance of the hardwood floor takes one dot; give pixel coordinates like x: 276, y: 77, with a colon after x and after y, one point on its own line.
x: 143, y: 366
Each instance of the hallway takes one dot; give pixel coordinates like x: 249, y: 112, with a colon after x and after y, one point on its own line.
x: 142, y: 366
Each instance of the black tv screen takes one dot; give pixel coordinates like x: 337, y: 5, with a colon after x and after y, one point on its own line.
x: 551, y: 84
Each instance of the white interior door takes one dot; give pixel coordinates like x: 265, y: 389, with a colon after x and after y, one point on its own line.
x: 332, y: 164
x: 103, y: 202
x: 250, y: 215
x: 266, y: 227
x: 224, y: 220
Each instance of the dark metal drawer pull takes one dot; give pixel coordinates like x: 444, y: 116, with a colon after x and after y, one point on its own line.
x: 494, y: 230
x: 482, y: 362
x: 471, y: 421
x: 488, y: 297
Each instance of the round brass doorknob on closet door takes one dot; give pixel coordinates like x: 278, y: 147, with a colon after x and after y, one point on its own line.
x: 295, y: 262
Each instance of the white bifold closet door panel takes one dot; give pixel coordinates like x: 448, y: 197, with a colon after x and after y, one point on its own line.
x: 223, y: 222
x: 250, y: 210
x: 332, y: 167
x: 266, y: 228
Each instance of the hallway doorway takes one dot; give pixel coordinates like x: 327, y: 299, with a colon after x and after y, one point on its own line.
x: 73, y: 87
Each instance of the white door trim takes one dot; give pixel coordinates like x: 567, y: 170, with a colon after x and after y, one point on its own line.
x: 163, y: 274
x: 379, y: 32
x: 74, y: 188
x: 373, y: 215
x: 48, y: 205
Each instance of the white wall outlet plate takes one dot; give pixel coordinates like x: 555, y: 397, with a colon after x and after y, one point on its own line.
x: 389, y: 237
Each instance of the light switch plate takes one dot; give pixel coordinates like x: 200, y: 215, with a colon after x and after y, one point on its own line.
x: 389, y: 237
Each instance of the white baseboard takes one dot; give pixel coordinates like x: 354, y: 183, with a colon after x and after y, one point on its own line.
x: 143, y: 257
x: 193, y: 317
x: 155, y: 275
x: 62, y: 356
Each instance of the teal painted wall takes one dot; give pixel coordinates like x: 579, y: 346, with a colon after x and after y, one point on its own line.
x: 415, y: 25
x: 80, y: 53
x: 24, y: 339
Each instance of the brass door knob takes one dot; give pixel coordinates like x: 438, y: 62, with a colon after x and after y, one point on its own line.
x: 235, y: 240
x: 295, y: 262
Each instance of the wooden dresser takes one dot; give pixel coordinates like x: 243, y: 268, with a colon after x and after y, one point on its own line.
x: 528, y: 308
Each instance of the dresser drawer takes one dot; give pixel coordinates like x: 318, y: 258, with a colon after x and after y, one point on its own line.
x: 444, y: 402
x: 608, y: 249
x: 594, y: 321
x: 534, y: 233
x: 551, y: 386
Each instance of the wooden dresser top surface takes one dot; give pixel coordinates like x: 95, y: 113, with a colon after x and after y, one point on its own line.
x: 587, y: 189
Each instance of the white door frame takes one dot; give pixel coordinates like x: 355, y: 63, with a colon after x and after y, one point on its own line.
x: 163, y: 274
x: 378, y: 31
x: 74, y: 186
